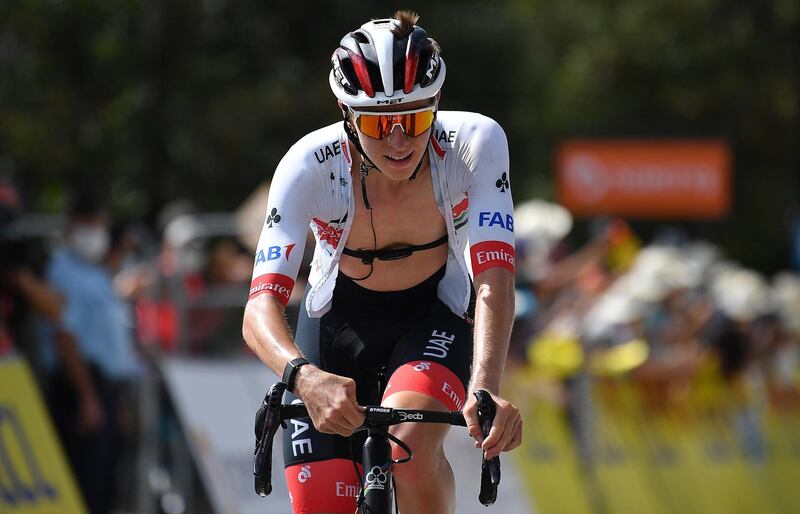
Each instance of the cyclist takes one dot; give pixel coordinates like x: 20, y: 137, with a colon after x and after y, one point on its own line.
x: 393, y: 196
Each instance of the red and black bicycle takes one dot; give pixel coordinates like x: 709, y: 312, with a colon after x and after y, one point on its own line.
x: 375, y: 496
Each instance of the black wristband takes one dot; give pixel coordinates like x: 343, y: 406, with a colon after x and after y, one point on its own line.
x: 290, y: 372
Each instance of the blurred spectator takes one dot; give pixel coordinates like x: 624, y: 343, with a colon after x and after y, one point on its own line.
x: 9, y: 205
x: 88, y: 354
x: 20, y: 287
x: 783, y: 368
x: 213, y: 329
x: 229, y: 263
x: 133, y: 275
x: 697, y: 316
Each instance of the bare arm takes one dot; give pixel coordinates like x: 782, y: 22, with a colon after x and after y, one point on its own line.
x: 44, y: 299
x: 91, y: 416
x: 331, y: 399
x: 48, y: 302
x: 295, y: 195
x: 494, y: 315
x: 266, y: 333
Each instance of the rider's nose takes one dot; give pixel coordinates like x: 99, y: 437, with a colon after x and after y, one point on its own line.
x: 396, y: 138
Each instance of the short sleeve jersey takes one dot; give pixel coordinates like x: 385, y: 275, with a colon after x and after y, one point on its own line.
x: 312, y: 188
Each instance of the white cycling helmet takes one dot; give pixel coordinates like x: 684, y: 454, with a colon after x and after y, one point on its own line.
x: 373, y: 67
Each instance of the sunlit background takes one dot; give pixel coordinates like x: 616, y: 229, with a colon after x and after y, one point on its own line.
x: 655, y: 166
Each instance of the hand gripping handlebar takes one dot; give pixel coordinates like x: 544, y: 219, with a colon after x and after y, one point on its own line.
x: 272, y: 414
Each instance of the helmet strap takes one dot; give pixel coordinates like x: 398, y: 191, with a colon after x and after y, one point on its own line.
x: 416, y: 170
x: 353, y: 137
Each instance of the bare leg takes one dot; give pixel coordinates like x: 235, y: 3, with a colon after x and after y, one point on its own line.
x: 426, y: 484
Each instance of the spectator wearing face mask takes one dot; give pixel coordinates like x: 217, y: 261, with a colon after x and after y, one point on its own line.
x: 88, y: 354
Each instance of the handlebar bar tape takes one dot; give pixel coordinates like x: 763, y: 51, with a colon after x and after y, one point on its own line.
x: 490, y: 469
x: 267, y: 423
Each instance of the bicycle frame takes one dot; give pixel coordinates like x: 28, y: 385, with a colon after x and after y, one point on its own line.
x: 377, y: 462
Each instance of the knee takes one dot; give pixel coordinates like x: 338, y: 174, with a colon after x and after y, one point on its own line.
x: 425, y: 440
x: 426, y: 443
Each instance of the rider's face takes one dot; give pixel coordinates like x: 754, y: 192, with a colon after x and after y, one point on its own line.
x: 398, y: 154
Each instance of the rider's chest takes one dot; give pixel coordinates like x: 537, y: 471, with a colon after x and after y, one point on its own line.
x: 411, y: 216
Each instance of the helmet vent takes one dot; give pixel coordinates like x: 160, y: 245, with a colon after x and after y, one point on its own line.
x: 374, y: 66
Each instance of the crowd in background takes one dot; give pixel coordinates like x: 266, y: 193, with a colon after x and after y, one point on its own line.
x: 683, y: 298
x: 697, y: 335
x: 105, y: 297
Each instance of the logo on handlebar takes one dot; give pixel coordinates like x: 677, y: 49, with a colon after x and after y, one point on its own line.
x: 405, y: 416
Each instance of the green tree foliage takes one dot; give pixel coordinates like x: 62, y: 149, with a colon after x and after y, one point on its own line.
x: 657, y: 68
x: 154, y: 100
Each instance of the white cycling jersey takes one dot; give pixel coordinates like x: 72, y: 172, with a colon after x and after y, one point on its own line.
x: 312, y: 186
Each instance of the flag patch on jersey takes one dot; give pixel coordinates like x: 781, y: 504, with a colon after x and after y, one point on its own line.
x: 461, y: 213
x: 327, y: 233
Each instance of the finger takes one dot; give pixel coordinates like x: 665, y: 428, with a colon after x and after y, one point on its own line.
x: 489, y: 452
x: 348, y: 418
x: 517, y: 439
x: 333, y: 427
x: 512, y: 437
x: 351, y: 415
x: 350, y: 409
x: 508, y: 434
x: 496, y: 432
x: 345, y: 431
x: 326, y: 423
x: 490, y: 443
x: 470, y: 413
x: 504, y: 435
x: 475, y: 432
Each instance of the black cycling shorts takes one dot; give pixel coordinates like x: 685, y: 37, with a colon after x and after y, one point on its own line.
x: 412, y: 335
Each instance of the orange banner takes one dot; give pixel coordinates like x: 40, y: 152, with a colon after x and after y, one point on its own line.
x: 645, y: 178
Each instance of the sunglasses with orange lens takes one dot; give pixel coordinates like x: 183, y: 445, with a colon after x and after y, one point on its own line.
x: 380, y: 125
